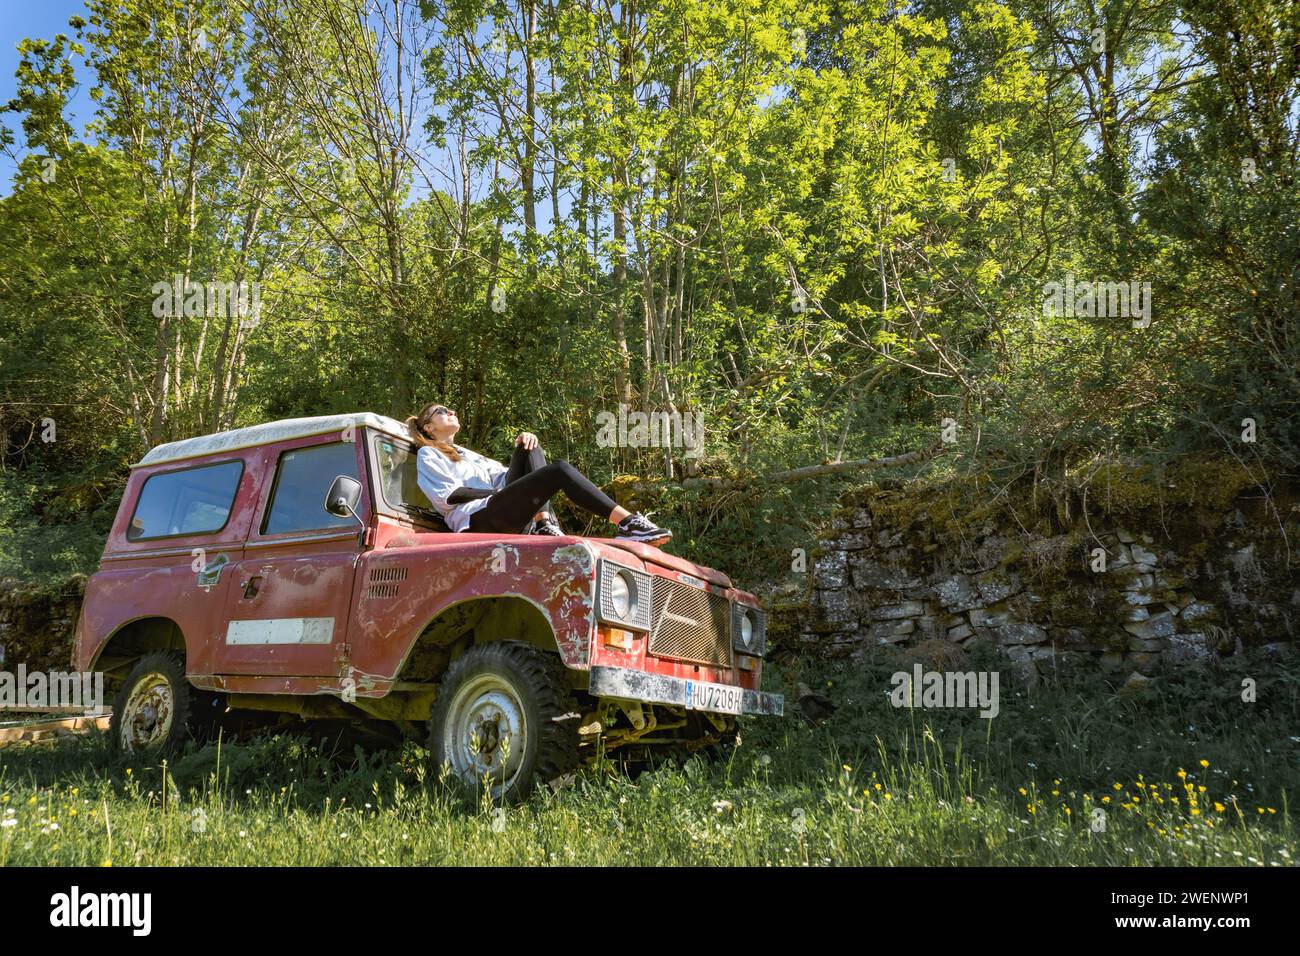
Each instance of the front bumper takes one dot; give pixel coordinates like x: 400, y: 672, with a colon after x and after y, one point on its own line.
x: 625, y: 683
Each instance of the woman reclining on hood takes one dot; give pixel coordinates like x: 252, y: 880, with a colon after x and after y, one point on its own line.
x: 478, y: 494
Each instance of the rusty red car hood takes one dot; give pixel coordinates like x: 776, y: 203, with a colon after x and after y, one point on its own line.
x: 645, y: 552
x: 656, y: 556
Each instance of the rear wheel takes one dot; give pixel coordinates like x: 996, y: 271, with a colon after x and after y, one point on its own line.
x: 504, y: 718
x: 157, y: 709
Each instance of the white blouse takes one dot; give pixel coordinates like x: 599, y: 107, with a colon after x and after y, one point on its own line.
x: 438, y: 476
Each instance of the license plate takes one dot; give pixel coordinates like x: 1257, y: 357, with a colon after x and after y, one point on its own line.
x: 720, y: 698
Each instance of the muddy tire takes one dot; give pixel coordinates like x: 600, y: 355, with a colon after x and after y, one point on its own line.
x: 157, y: 710
x: 504, y: 714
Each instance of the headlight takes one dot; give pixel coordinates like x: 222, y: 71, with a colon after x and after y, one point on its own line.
x: 748, y: 630
x: 623, y: 596
x: 620, y: 596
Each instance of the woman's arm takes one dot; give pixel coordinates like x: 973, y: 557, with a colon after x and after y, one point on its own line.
x: 434, y: 476
x: 462, y: 494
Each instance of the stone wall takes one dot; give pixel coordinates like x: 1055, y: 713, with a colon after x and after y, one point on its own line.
x: 1182, y: 581
x: 37, y: 623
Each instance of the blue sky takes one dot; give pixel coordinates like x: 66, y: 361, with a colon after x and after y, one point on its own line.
x: 20, y: 19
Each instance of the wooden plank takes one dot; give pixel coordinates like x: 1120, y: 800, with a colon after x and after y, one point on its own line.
x: 48, y: 730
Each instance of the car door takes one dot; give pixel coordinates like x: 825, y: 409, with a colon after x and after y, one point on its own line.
x: 290, y: 598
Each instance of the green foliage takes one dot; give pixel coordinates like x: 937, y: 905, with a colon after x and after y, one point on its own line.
x: 39, y: 543
x: 824, y: 227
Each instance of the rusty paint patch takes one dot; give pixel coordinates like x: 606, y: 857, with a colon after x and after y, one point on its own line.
x: 580, y: 557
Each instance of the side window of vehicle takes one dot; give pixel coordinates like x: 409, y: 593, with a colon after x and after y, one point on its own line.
x: 397, y: 466
x: 188, y: 501
x: 301, y: 480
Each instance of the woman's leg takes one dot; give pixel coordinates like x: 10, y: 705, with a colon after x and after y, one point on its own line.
x: 511, y: 508
x: 524, y: 462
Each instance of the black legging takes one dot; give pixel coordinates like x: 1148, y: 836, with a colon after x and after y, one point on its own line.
x: 530, y: 483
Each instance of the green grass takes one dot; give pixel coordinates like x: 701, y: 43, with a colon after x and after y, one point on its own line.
x: 874, y: 785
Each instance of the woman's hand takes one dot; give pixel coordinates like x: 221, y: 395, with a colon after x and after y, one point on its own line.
x: 527, y: 439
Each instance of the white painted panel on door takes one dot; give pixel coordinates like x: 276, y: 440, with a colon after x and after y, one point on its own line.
x: 282, y: 630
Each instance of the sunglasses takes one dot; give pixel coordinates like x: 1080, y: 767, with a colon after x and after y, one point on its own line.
x: 439, y: 410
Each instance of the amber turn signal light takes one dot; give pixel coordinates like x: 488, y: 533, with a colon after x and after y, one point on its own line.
x: 617, y: 637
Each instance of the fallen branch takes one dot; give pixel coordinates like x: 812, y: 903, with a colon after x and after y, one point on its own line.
x: 795, y: 474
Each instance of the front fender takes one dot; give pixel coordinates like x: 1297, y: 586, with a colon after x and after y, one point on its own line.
x: 404, y: 587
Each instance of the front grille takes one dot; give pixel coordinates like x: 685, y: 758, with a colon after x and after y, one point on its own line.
x: 690, y: 624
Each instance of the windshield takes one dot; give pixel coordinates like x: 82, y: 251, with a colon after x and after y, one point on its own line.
x: 397, y: 480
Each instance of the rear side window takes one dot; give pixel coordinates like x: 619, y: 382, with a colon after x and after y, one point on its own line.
x: 301, y: 480
x: 189, y: 501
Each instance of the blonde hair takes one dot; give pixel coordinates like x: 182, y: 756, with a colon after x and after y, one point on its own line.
x: 415, y: 425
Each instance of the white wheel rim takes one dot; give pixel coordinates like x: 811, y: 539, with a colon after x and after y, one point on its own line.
x: 148, y: 713
x: 485, y: 733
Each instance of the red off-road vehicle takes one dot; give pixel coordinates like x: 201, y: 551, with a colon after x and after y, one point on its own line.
x: 297, y: 567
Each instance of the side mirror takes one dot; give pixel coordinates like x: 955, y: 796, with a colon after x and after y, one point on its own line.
x: 343, y: 497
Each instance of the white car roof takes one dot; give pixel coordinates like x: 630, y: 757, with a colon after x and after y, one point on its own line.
x: 269, y: 432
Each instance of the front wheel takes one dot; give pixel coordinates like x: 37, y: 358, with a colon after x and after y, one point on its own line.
x: 504, y: 717
x: 156, y: 708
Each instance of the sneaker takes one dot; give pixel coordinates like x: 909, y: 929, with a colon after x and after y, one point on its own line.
x: 547, y: 525
x: 637, y: 527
